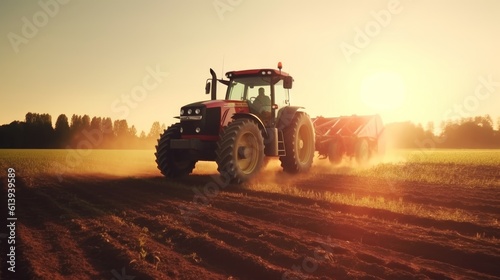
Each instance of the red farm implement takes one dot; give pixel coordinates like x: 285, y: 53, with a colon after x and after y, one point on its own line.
x: 351, y: 136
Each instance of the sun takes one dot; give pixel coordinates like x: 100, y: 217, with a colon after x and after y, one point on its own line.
x: 383, y: 91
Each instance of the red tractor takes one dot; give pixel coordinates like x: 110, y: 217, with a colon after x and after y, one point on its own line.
x: 254, y: 121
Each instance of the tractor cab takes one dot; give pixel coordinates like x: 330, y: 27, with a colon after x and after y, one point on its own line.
x: 263, y: 90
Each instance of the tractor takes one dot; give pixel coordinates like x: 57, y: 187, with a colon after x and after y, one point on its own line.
x: 253, y: 122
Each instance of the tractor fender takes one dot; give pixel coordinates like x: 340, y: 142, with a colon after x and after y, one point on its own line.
x: 252, y: 117
x: 285, y: 116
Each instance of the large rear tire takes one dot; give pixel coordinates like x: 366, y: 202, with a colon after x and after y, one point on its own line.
x: 172, y: 163
x: 240, y: 150
x: 299, y: 144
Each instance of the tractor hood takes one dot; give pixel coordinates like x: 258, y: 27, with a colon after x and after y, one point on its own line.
x: 214, y: 113
x: 216, y: 104
x: 207, y: 117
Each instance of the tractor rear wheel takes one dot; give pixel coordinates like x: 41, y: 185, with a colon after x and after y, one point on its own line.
x: 336, y: 152
x: 362, y: 150
x: 299, y: 144
x: 240, y: 150
x: 172, y: 163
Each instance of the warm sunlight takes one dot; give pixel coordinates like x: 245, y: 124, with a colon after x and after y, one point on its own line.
x: 383, y: 91
x: 256, y: 139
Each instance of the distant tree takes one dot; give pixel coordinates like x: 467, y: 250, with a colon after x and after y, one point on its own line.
x: 133, y: 131
x: 29, y: 118
x: 97, y: 132
x: 121, y: 129
x: 442, y: 126
x: 474, y: 132
x: 12, y: 135
x: 497, y: 133
x: 85, y: 122
x: 107, y: 125
x: 46, y: 119
x: 430, y: 127
x: 133, y: 142
x: 38, y: 119
x: 76, y: 124
x: 155, y: 130
x: 75, y: 129
x: 489, y: 120
x: 62, y: 122
x: 96, y: 123
x: 39, y: 132
x: 61, y: 131
x: 108, y: 132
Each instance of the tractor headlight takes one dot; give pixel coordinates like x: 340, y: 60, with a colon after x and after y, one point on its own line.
x: 197, y: 111
x: 182, y: 112
x: 197, y: 130
x: 190, y: 111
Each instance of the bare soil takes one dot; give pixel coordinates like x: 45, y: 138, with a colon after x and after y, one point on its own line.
x: 147, y: 227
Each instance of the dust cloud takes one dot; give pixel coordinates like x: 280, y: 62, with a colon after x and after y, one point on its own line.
x: 141, y: 163
x: 272, y: 173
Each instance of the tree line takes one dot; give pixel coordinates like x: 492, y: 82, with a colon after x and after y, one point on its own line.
x: 37, y: 132
x: 465, y: 133
x: 83, y: 132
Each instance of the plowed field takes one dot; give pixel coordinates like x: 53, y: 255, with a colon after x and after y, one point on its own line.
x: 322, y: 225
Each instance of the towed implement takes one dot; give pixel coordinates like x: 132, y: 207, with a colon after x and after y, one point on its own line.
x: 358, y: 137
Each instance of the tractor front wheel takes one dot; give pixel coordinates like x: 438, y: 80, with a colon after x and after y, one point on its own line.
x: 240, y: 150
x: 299, y: 144
x: 172, y: 163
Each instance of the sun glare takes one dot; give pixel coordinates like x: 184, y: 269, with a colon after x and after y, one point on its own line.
x: 383, y: 91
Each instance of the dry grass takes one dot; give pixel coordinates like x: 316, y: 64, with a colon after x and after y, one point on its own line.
x: 467, y: 168
x: 379, y: 202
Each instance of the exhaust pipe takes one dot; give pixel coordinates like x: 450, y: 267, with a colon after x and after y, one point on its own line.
x: 214, y: 84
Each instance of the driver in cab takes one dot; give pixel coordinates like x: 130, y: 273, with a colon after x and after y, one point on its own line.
x: 262, y: 102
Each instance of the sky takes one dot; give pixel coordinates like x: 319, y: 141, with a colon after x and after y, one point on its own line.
x: 405, y: 60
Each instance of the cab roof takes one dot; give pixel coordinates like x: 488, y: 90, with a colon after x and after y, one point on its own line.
x: 256, y: 72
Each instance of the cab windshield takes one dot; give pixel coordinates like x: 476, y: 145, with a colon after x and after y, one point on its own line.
x: 247, y: 88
